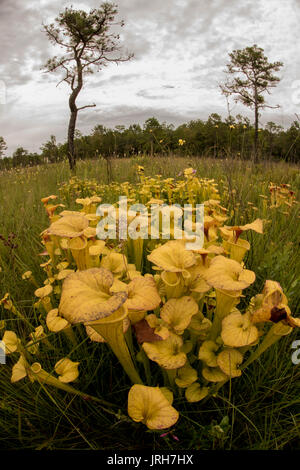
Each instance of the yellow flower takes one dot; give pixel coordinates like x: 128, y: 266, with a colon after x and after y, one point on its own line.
x: 150, y: 406
x: 97, y: 249
x: 159, y: 328
x: 43, y: 291
x: 93, y: 219
x: 132, y: 272
x: 273, y: 306
x: 90, y: 232
x: 142, y: 294
x: 186, y: 375
x: 177, y: 313
x: 69, y: 226
x: 189, y: 171
x: 11, y: 342
x: 19, y: 371
x: 228, y: 360
x: 167, y: 353
x: 196, y: 283
x: 38, y: 333
x: 119, y: 286
x: 256, y: 226
x: 50, y: 209
x: 66, y: 370
x: 64, y: 273
x: 214, y: 374
x: 86, y: 296
x: 195, y: 393
x: 227, y: 274
x: 155, y: 201
x: 173, y: 257
x: 84, y: 202
x: 45, y: 200
x: 54, y: 322
x: 6, y: 302
x: 207, y: 353
x: 96, y: 199
x: 199, y: 326
x: 238, y: 331
x: 115, y: 263
x: 27, y: 275
x: 33, y: 345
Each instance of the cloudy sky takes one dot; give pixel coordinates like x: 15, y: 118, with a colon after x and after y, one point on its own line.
x: 181, y: 48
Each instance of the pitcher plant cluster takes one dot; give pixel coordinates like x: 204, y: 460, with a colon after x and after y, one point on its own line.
x: 168, y: 313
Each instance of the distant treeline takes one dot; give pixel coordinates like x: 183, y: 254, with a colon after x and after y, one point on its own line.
x: 232, y: 137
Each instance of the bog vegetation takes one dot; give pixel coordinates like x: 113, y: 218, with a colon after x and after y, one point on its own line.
x: 123, y: 344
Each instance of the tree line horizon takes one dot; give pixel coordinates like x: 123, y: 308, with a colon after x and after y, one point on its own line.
x: 230, y: 137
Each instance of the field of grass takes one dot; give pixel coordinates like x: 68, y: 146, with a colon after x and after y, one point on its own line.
x: 260, y: 410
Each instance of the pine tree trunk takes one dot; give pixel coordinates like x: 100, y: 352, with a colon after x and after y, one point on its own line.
x: 71, y: 132
x: 73, y: 116
x: 256, y: 126
x: 256, y: 136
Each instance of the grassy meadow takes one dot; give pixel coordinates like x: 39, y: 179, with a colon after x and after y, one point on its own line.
x: 260, y: 410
